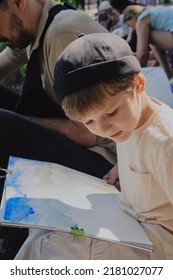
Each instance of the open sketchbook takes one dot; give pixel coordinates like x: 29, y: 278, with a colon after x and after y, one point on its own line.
x: 47, y: 195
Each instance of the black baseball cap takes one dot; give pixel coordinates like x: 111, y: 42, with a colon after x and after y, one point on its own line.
x: 91, y: 59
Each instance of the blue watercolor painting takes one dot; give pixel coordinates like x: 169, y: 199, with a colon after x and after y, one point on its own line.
x: 16, y: 214
x: 48, y: 195
x: 22, y: 186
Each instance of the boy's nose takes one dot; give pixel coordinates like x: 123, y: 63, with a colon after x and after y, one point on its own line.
x: 105, y: 128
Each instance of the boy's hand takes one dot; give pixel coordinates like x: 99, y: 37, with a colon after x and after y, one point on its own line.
x: 112, y: 177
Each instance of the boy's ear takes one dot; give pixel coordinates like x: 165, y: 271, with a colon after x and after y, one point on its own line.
x: 140, y: 83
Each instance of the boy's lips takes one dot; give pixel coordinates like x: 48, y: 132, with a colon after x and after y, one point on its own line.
x: 116, y: 134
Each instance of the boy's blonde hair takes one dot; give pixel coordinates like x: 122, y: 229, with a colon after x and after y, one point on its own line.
x: 80, y: 102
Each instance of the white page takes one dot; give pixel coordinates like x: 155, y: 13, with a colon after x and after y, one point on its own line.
x: 49, y: 195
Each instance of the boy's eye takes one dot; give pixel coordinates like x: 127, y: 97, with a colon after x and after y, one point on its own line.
x: 112, y: 113
x: 87, y: 123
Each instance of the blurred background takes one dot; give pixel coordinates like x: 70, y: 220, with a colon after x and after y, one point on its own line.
x: 15, y: 81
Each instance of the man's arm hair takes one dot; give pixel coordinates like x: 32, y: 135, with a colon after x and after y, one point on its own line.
x: 10, y: 62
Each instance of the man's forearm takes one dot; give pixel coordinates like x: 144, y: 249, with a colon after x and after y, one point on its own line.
x: 74, y: 131
x: 8, y: 66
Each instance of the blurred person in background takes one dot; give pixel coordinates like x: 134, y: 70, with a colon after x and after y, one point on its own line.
x: 123, y: 31
x: 154, y: 29
x: 106, y: 16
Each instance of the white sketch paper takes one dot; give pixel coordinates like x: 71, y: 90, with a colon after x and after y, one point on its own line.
x: 48, y: 195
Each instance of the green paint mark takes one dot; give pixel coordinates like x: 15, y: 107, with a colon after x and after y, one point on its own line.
x: 76, y: 232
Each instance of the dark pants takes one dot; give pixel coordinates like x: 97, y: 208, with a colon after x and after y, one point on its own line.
x: 8, y: 99
x: 23, y: 138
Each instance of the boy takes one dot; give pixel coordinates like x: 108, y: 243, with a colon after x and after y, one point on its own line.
x: 99, y: 83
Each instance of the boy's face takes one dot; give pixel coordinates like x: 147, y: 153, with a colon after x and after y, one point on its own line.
x: 117, y: 118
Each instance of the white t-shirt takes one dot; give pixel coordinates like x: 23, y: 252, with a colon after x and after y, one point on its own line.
x: 145, y: 164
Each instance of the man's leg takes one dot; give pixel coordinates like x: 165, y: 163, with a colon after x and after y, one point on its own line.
x: 23, y: 138
x: 8, y: 99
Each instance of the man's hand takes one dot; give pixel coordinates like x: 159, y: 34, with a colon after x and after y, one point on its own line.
x: 112, y: 177
x: 75, y: 131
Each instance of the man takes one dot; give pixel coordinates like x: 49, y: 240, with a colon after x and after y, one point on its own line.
x: 22, y: 29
